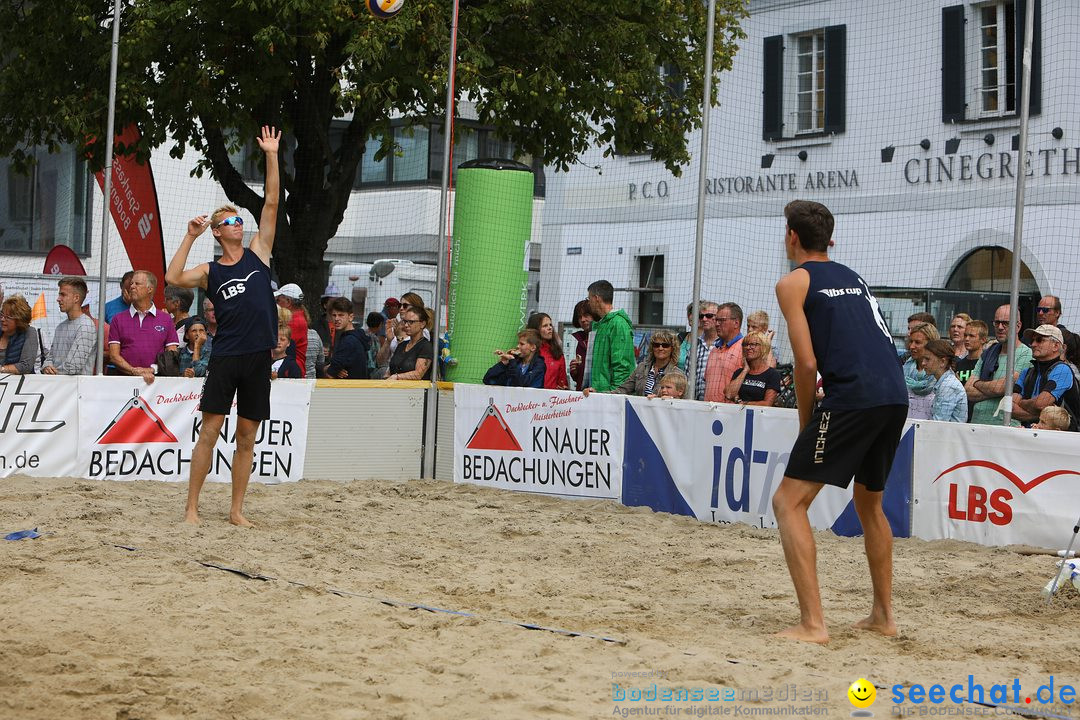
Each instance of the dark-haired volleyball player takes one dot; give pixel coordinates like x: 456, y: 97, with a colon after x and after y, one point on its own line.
x: 836, y: 330
x: 239, y: 286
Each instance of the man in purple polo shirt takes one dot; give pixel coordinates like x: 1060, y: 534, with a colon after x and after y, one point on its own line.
x: 137, y: 335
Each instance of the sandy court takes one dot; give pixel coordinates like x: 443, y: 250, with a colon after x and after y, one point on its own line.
x: 92, y: 630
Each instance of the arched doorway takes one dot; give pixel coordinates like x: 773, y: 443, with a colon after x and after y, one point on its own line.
x: 989, y: 269
x: 984, y: 276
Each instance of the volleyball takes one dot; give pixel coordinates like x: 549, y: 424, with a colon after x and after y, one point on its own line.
x: 384, y: 9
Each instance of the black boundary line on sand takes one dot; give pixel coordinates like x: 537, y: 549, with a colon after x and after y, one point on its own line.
x: 388, y: 601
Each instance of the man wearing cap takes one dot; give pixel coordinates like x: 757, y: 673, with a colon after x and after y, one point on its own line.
x: 1048, y: 312
x: 1049, y: 380
x: 987, y: 384
x: 291, y: 297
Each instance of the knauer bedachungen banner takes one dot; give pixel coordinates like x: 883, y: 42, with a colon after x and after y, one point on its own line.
x: 542, y: 441
x: 133, y: 431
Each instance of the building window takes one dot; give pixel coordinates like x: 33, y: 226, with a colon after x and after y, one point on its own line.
x: 415, y: 158
x: 46, y: 205
x: 810, y: 81
x: 997, y: 64
x: 982, y: 60
x: 805, y: 89
x: 651, y: 282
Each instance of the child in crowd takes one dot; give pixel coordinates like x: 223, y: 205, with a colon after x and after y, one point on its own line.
x: 671, y: 386
x: 195, y: 352
x: 283, y: 356
x: 1052, y: 417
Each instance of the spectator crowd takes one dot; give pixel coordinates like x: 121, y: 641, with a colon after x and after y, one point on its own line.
x: 956, y: 375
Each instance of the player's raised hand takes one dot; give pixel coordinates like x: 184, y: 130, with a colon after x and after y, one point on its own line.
x: 268, y: 139
x: 197, y: 225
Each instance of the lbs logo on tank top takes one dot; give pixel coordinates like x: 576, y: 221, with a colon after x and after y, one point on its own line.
x: 237, y: 286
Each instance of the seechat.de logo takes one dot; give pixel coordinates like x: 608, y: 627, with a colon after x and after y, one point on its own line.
x: 982, y: 505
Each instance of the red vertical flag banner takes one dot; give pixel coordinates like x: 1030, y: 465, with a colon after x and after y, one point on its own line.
x: 134, y: 207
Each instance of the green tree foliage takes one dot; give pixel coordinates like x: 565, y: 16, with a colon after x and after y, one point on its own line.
x: 551, y: 76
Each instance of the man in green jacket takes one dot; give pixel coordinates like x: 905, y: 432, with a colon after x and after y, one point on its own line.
x: 611, y: 349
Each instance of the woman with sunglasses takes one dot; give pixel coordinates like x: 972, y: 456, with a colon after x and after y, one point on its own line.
x: 550, y: 351
x: 660, y: 361
x: 755, y: 383
x: 19, y: 343
x: 409, y: 300
x: 412, y: 358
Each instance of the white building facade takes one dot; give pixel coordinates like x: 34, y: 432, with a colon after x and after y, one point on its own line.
x: 899, y: 116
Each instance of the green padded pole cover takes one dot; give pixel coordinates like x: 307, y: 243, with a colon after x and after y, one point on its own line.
x: 489, y: 279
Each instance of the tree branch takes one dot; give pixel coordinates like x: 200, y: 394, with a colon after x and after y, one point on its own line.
x: 230, y: 178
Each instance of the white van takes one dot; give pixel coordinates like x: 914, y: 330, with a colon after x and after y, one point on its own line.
x: 368, y: 285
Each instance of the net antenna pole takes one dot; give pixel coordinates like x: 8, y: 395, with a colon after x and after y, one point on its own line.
x: 106, y: 205
x: 1018, y: 221
x: 432, y: 399
x: 699, y: 234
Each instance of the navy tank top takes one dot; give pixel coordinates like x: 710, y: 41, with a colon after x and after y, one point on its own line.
x: 244, y: 305
x: 855, y: 354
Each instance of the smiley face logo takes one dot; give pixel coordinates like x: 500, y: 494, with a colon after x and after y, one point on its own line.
x: 861, y: 693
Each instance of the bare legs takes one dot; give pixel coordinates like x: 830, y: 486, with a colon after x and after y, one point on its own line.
x: 202, y: 455
x: 241, y: 468
x: 200, y: 463
x: 878, y: 541
x: 790, y: 504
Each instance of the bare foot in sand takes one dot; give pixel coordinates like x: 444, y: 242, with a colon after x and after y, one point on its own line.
x: 191, y: 518
x: 238, y: 519
x: 879, y: 624
x: 805, y: 634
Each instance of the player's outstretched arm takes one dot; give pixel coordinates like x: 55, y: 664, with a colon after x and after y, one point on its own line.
x: 791, y: 294
x: 263, y: 244
x: 196, y: 276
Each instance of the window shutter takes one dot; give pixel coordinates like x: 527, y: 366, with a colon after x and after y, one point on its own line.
x: 773, y: 93
x: 1035, y: 101
x: 953, y: 87
x: 835, y: 78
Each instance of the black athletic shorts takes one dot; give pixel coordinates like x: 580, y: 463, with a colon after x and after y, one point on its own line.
x: 247, y: 377
x: 839, y: 444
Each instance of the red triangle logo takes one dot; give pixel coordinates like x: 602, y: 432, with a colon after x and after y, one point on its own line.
x: 492, y: 432
x: 136, y: 423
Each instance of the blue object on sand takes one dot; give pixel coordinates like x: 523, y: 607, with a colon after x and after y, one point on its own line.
x: 23, y: 534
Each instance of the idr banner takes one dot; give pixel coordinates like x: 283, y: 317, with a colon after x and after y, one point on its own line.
x: 722, y: 464
x: 134, y: 431
x: 38, y: 425
x: 542, y: 441
x: 996, y: 486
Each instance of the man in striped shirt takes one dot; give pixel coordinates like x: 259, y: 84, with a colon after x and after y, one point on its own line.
x: 72, y: 351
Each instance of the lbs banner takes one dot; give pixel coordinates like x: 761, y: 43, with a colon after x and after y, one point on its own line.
x: 131, y: 430
x: 996, y: 486
x: 542, y: 441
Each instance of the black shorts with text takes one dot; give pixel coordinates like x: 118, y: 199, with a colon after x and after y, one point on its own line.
x: 245, y: 377
x: 837, y: 445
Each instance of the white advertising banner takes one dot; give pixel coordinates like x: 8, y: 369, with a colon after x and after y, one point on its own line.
x: 38, y: 425
x: 725, y: 461
x: 134, y: 431
x: 995, y: 486
x: 542, y: 441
